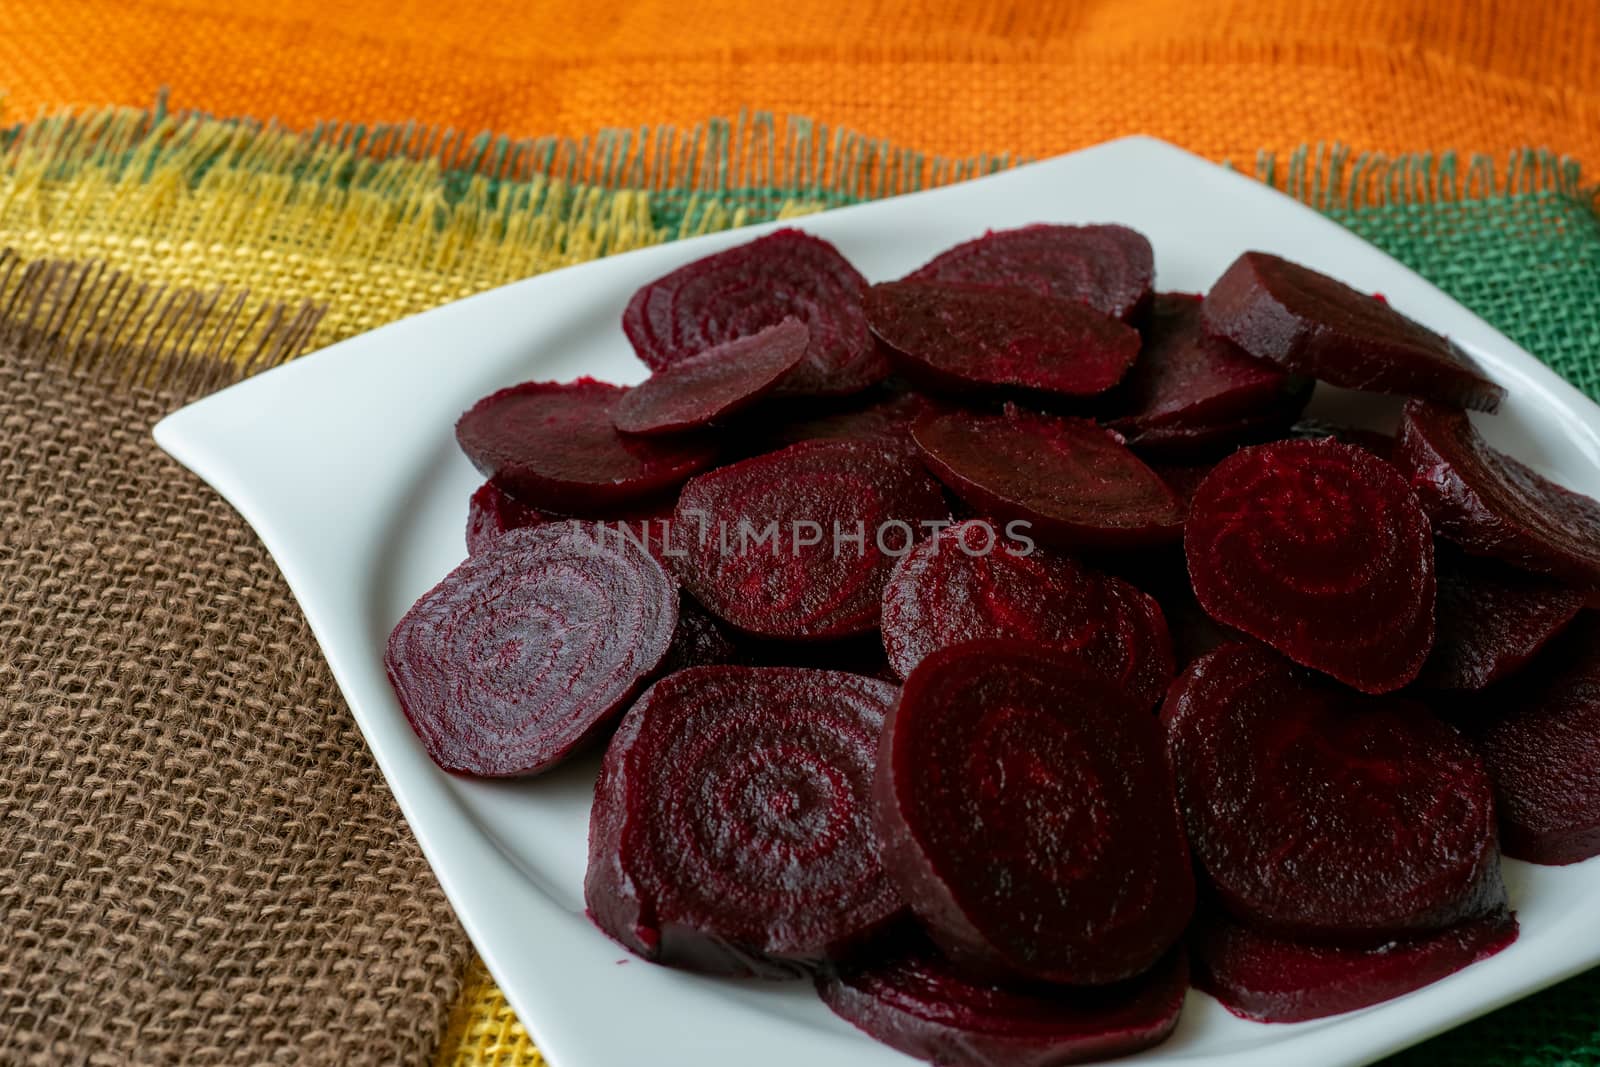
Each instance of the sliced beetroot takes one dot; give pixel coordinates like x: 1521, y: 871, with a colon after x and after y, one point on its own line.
x: 698, y: 641
x: 1541, y: 741
x: 1492, y: 505
x: 530, y: 648
x: 972, y: 582
x: 731, y: 830
x: 720, y: 381
x: 954, y: 336
x: 1026, y: 812
x: 796, y: 544
x: 491, y: 514
x: 1321, y: 550
x: 1322, y: 814
x: 1109, y: 268
x: 1072, y: 481
x: 1274, y: 980
x: 920, y: 1004
x: 1318, y: 326
x: 552, y: 446
x: 752, y: 286
x: 1491, y: 620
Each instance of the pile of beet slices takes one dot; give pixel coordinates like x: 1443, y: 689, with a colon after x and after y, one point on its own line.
x: 996, y: 648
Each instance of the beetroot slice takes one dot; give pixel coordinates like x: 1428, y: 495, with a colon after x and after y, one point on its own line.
x: 491, y: 514
x: 552, y: 446
x: 797, y: 544
x: 1492, y: 505
x: 1321, y: 814
x: 1491, y: 620
x: 731, y: 830
x: 920, y: 1004
x: 1072, y: 481
x: 954, y: 336
x: 1110, y: 268
x: 1272, y: 980
x: 1542, y: 746
x: 724, y: 379
x: 971, y: 582
x: 1026, y: 812
x: 755, y: 285
x: 529, y: 648
x: 1319, y: 549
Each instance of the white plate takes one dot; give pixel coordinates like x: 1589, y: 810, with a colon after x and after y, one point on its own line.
x: 345, y: 464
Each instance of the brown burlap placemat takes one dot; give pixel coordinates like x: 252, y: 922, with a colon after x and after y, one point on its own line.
x: 199, y: 862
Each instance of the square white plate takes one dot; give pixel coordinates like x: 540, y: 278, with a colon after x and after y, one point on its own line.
x: 345, y: 464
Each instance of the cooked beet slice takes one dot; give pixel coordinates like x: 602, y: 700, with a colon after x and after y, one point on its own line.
x: 732, y: 828
x: 1274, y: 980
x: 530, y: 648
x: 1026, y: 812
x: 1321, y: 550
x: 972, y: 582
x: 698, y: 641
x: 1491, y: 620
x: 1322, y: 814
x: 1492, y: 505
x: 746, y: 289
x: 552, y: 446
x: 1542, y: 745
x: 720, y: 381
x: 797, y: 544
x: 954, y: 336
x: 1072, y: 481
x: 1316, y: 325
x: 491, y: 514
x: 1110, y: 268
x: 920, y: 1004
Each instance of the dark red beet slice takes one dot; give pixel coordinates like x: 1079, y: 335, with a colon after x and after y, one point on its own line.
x: 530, y: 648
x: 1072, y: 481
x: 491, y: 514
x: 1316, y: 325
x: 971, y: 582
x: 1273, y: 980
x: 1110, y: 268
x: 1026, y: 812
x: 1491, y: 620
x: 1319, y: 549
x: 1542, y: 746
x: 1492, y: 505
x: 722, y: 380
x: 552, y: 446
x: 698, y: 641
x: 1321, y: 814
x: 920, y: 1004
x: 753, y: 286
x: 954, y: 336
x: 731, y: 830
x: 797, y: 544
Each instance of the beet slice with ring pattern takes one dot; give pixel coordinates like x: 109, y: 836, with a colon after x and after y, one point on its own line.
x: 954, y: 336
x: 1492, y: 505
x: 1318, y: 326
x: 732, y: 829
x: 491, y: 514
x: 717, y: 383
x: 530, y: 648
x: 1321, y: 550
x: 797, y: 544
x: 1273, y: 980
x: 973, y: 582
x: 1073, y: 482
x: 1322, y: 814
x: 755, y: 285
x: 553, y: 447
x: 1108, y: 267
x: 1026, y: 811
x: 920, y: 1004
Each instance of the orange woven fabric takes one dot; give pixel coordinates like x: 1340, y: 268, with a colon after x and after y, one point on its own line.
x: 952, y: 77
